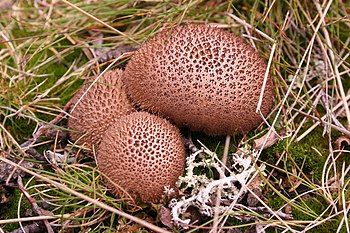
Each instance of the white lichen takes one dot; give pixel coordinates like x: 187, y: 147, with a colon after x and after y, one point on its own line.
x: 200, y: 190
x: 168, y: 191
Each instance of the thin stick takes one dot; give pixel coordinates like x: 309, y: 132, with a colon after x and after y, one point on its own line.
x: 34, y: 219
x: 341, y: 129
x: 218, y: 193
x: 268, y: 11
x: 226, y: 149
x: 88, y: 199
x: 35, y: 206
x: 321, y: 121
x: 244, y: 23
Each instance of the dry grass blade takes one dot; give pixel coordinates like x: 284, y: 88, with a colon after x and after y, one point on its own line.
x: 35, y: 218
x: 334, y: 66
x: 98, y: 20
x: 320, y: 122
x: 89, y: 199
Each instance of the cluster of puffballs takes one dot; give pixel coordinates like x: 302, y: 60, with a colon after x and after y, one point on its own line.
x: 193, y: 76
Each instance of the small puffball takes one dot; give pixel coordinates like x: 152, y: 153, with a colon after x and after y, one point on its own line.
x: 143, y: 154
x: 105, y: 102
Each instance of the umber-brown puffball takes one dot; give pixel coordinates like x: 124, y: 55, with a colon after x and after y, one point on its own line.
x: 142, y: 153
x: 202, y: 77
x: 105, y: 102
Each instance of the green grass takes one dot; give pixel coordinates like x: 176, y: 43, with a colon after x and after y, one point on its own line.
x: 45, y: 54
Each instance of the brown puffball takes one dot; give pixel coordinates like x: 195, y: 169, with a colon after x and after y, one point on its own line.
x: 142, y: 153
x: 202, y: 77
x: 105, y: 102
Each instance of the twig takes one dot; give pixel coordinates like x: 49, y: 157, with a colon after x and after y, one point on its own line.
x: 266, y: 76
x: 34, y: 218
x: 105, y: 54
x: 32, y: 228
x: 9, y: 173
x: 13, y: 172
x: 44, y: 129
x: 265, y: 211
x: 226, y: 149
x: 335, y: 108
x: 218, y: 193
x: 35, y: 206
x: 244, y: 23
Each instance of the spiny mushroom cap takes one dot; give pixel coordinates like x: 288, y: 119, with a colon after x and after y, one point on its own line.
x: 105, y: 102
x: 142, y: 153
x: 199, y: 76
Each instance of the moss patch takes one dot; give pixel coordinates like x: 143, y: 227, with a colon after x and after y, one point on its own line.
x: 275, y: 201
x: 310, y: 153
x: 9, y: 211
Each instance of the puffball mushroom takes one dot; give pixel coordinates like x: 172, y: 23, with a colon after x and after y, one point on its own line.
x: 105, y: 102
x: 143, y: 154
x: 201, y: 77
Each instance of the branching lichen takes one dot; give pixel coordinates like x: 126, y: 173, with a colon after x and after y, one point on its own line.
x: 200, y: 191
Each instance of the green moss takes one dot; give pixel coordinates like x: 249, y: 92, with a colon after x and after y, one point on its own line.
x: 9, y: 211
x: 57, y: 69
x: 311, y: 208
x: 275, y: 201
x: 310, y: 153
x: 271, y: 155
x: 329, y: 226
x: 21, y: 129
